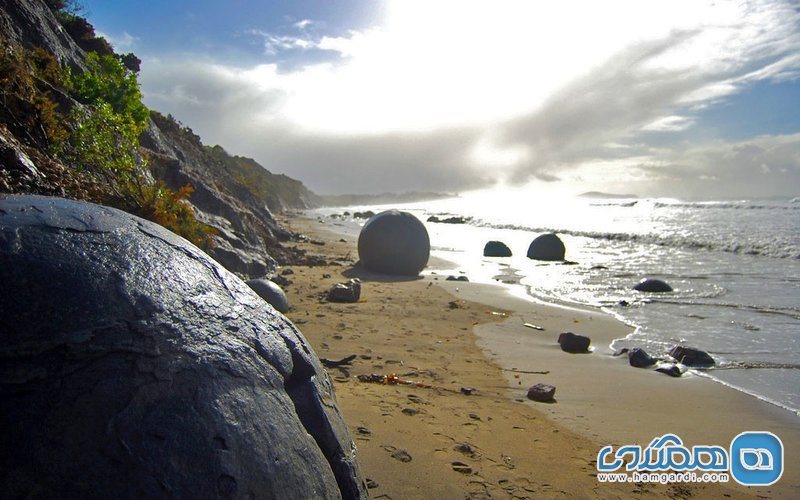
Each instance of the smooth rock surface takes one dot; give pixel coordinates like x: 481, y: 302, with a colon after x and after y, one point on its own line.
x: 690, y: 356
x: 394, y: 242
x: 496, y: 249
x: 134, y: 366
x: 652, y: 285
x: 670, y: 369
x: 547, y: 247
x: 574, y: 343
x: 271, y: 292
x: 638, y: 358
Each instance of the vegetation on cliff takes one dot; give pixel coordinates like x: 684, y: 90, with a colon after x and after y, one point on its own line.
x: 86, y: 126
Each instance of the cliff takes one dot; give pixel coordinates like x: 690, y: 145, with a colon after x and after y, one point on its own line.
x: 230, y: 200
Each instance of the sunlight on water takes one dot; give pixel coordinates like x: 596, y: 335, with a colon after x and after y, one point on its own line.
x: 734, y: 267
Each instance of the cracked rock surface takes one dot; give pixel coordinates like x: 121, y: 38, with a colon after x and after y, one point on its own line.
x: 133, y: 365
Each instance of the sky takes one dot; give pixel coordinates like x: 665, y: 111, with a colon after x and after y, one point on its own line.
x: 659, y: 98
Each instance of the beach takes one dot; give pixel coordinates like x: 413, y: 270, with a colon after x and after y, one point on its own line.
x: 462, y: 426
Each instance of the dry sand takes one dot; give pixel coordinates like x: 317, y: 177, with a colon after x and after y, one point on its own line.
x: 432, y: 441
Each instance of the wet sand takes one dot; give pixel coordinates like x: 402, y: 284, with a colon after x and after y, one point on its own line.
x: 430, y: 440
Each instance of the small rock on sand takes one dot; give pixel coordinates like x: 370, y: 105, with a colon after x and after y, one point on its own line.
x: 574, y: 343
x: 345, y: 292
x: 542, y: 392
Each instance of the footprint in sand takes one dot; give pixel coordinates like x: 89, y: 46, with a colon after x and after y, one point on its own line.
x: 401, y: 455
x: 461, y: 467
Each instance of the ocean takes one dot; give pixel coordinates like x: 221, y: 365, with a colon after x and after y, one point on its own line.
x: 734, y: 266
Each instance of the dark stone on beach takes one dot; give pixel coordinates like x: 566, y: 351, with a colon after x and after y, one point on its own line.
x: 574, y: 343
x: 598, y: 267
x: 496, y: 249
x: 363, y: 215
x: 622, y: 351
x: 670, y: 369
x: 542, y: 392
x: 457, y: 278
x: 345, y: 292
x: 394, y: 242
x: 547, y: 247
x: 623, y: 303
x: 652, y: 285
x: 449, y: 220
x: 270, y: 292
x: 639, y: 358
x: 135, y: 366
x: 690, y: 356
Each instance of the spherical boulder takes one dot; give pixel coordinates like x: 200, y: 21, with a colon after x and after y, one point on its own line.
x: 496, y: 249
x: 271, y: 292
x: 652, y: 285
x: 547, y: 247
x: 394, y: 242
x: 135, y: 366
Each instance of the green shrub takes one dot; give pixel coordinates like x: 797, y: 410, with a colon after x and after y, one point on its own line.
x: 107, y: 80
x: 104, y: 143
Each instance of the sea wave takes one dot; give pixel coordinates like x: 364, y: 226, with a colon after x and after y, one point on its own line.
x: 772, y: 249
x: 724, y: 206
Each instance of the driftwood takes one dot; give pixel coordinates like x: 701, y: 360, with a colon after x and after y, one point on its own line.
x: 327, y: 363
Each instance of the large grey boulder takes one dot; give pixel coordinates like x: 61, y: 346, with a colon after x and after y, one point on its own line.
x: 135, y: 366
x: 394, y: 242
x: 547, y: 247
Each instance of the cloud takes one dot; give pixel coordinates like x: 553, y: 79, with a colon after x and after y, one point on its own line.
x: 430, y: 101
x: 762, y: 166
x: 121, y: 43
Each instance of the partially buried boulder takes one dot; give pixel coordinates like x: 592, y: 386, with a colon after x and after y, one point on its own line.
x: 574, y: 343
x: 135, y: 366
x: 270, y: 292
x: 638, y: 357
x: 394, y: 242
x: 690, y: 356
x: 652, y: 285
x: 670, y: 369
x: 547, y: 247
x: 496, y: 249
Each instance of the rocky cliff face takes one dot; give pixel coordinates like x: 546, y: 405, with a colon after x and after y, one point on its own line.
x: 248, y: 238
x: 30, y: 23
x: 233, y: 195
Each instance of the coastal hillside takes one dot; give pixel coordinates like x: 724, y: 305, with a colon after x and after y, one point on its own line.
x: 72, y: 124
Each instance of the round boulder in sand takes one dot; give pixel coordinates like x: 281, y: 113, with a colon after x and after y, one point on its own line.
x: 135, y: 366
x: 394, y: 242
x: 547, y: 247
x: 496, y: 249
x: 652, y: 285
x: 270, y: 292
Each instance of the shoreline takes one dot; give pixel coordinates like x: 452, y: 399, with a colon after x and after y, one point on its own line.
x: 600, y: 399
